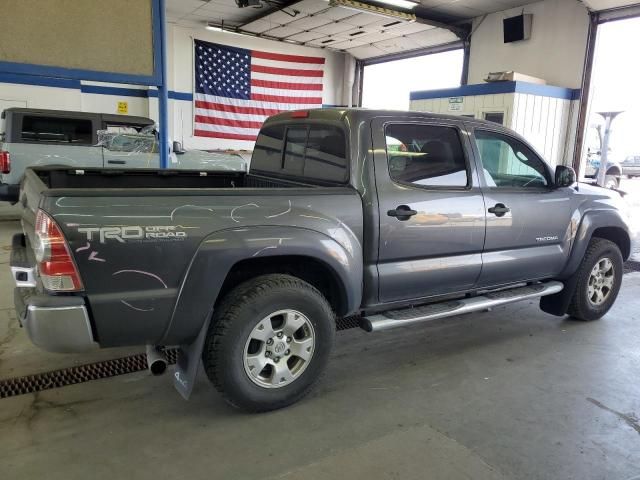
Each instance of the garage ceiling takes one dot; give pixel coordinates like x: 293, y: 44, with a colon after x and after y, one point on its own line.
x: 364, y: 35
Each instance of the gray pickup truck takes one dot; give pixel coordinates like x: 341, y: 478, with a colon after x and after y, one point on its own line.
x: 397, y: 217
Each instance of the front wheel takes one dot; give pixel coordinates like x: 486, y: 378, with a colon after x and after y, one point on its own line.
x: 599, y: 280
x: 269, y: 342
x: 611, y: 181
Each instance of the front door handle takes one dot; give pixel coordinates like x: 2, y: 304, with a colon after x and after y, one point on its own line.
x: 499, y: 209
x: 402, y: 212
x: 116, y: 162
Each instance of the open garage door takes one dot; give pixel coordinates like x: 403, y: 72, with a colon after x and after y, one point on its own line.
x: 610, y: 153
x: 389, y: 84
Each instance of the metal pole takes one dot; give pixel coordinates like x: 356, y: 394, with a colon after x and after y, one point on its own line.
x: 604, y: 147
x: 163, y: 91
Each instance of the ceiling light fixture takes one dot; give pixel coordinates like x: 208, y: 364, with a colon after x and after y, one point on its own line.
x: 213, y: 27
x: 409, y: 5
x: 365, y: 7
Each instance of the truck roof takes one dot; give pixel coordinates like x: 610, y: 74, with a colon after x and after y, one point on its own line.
x: 109, y: 117
x: 359, y: 113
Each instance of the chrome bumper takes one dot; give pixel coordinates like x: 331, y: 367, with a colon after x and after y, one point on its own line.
x: 59, y: 329
x: 55, y: 323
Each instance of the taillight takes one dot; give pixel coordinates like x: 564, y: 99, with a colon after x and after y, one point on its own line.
x: 5, y: 162
x: 300, y: 114
x: 57, y: 270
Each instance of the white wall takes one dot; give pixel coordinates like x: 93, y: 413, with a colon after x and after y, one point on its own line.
x: 181, y: 78
x: 41, y: 97
x: 555, y: 52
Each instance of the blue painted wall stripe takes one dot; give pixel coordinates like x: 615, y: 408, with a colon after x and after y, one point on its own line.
x: 186, y: 96
x: 39, y: 81
x: 20, y: 79
x: 494, y: 88
x: 119, y: 91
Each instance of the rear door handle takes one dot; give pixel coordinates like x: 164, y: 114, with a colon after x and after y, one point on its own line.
x: 402, y: 212
x: 499, y: 209
x: 116, y: 162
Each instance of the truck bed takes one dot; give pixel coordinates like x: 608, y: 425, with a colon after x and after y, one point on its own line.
x: 150, y: 245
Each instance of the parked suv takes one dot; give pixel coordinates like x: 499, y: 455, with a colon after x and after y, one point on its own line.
x: 397, y: 217
x: 53, y: 137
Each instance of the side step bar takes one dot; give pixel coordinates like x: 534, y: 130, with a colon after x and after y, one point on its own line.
x: 434, y: 311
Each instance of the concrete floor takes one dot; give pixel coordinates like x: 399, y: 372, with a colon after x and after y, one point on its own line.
x: 507, y: 394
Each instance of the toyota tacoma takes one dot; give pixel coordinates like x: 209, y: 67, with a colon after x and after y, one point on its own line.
x: 397, y: 218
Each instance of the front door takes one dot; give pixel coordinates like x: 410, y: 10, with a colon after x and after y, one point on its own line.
x: 432, y: 216
x: 528, y: 227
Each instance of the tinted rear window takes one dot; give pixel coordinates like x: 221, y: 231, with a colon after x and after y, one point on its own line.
x: 36, y: 129
x: 315, y: 152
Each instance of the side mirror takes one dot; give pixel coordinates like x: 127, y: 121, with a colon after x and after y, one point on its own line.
x: 177, y: 148
x: 565, y: 176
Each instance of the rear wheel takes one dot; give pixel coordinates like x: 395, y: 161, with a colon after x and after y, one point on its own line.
x: 599, y: 279
x: 269, y: 342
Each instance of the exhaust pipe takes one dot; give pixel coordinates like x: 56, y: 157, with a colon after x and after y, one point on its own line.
x: 156, y: 360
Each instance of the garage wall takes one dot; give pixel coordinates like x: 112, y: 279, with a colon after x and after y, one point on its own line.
x: 103, y: 97
x: 555, y: 52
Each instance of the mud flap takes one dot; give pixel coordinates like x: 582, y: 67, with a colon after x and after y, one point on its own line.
x: 188, y: 362
x: 558, y: 303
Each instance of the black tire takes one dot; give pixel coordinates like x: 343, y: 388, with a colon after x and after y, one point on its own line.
x: 233, y: 321
x: 581, y: 308
x: 611, y: 181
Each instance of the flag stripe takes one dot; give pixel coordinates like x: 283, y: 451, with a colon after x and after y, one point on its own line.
x: 236, y: 108
x: 227, y: 121
x: 286, y: 85
x: 287, y: 71
x: 286, y: 58
x: 297, y: 66
x: 227, y: 129
x: 279, y: 99
x: 229, y: 136
x: 288, y: 78
x: 268, y: 105
x: 235, y: 116
x: 286, y: 93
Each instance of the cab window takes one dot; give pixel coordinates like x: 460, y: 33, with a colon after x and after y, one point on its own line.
x: 509, y: 163
x: 71, y: 131
x: 426, y: 155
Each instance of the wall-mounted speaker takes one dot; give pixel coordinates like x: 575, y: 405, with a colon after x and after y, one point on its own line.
x: 517, y: 28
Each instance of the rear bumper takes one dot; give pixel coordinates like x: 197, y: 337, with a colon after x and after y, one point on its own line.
x: 9, y: 193
x: 53, y: 323
x: 56, y: 324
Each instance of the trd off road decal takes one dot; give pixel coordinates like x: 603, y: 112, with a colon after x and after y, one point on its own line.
x: 124, y: 234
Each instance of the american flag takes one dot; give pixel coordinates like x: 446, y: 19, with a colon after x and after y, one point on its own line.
x: 237, y: 89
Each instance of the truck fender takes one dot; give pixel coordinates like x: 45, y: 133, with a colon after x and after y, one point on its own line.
x: 220, y: 251
x: 558, y: 303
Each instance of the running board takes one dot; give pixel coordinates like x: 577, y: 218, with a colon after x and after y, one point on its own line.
x: 434, y: 311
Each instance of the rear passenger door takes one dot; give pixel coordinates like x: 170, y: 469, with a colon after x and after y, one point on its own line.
x: 432, y: 216
x: 528, y: 219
